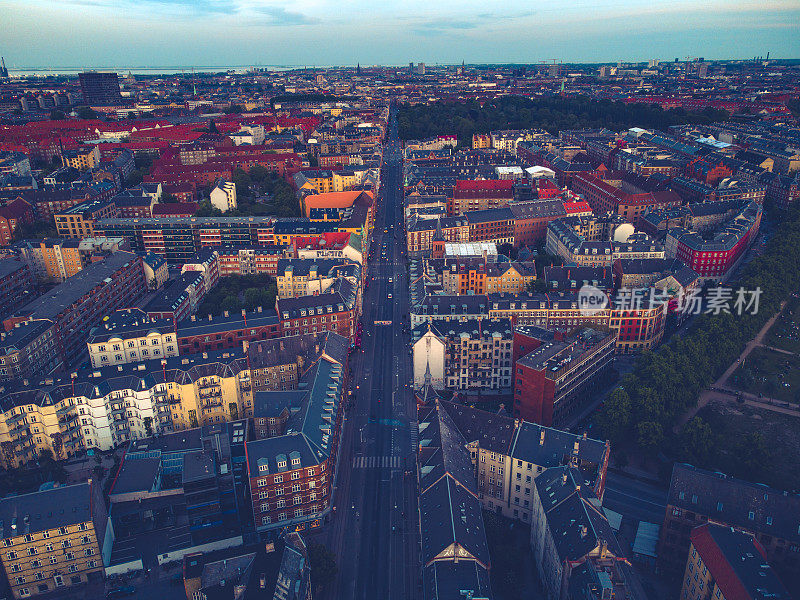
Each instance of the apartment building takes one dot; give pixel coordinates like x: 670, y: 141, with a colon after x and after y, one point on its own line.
x: 78, y: 221
x: 508, y: 454
x: 82, y: 159
x: 29, y: 348
x: 553, y: 371
x: 725, y: 563
x: 697, y: 497
x: 54, y: 539
x: 292, y: 474
x: 57, y: 259
x: 226, y: 331
x: 477, y: 353
x: 478, y: 276
x: 571, y: 538
x: 471, y: 195
x: 16, y: 284
x: 530, y: 219
x: 337, y: 310
x: 12, y: 215
x: 130, y: 336
x: 637, y: 323
x: 223, y: 196
x: 80, y: 302
x: 713, y: 258
x: 308, y: 277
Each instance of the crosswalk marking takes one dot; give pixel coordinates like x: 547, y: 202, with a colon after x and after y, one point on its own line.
x: 376, y: 462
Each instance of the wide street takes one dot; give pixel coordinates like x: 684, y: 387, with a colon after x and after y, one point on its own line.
x: 374, y: 533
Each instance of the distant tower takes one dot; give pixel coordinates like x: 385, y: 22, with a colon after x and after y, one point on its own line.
x: 358, y: 69
x: 3, y: 70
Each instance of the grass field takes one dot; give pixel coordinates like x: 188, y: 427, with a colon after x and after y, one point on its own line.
x: 781, y: 435
x: 771, y: 373
x: 785, y: 333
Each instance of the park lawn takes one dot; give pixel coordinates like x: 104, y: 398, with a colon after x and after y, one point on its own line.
x: 766, y: 372
x: 785, y: 332
x: 731, y: 423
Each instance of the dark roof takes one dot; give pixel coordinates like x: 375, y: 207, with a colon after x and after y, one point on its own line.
x: 45, y: 510
x: 730, y: 500
x: 59, y: 298
x: 138, y: 475
x: 444, y: 580
x: 738, y: 564
x: 22, y: 334
x: 549, y: 447
x: 576, y: 524
x: 222, y: 324
x: 492, y: 431
x: 451, y: 516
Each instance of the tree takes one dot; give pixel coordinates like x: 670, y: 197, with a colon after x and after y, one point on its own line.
x: 650, y: 436
x: 614, y: 420
x: 323, y: 566
x: 206, y: 209
x: 698, y: 440
x: 135, y: 178
x: 84, y: 112
x: 57, y: 115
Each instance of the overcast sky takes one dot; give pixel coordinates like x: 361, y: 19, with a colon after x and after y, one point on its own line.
x: 121, y: 33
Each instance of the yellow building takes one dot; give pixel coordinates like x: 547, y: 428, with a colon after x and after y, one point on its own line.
x: 38, y: 424
x: 82, y: 159
x: 110, y: 406
x: 54, y: 539
x: 510, y: 277
x: 481, y: 140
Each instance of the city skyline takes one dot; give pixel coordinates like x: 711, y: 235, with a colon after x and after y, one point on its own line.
x: 93, y: 33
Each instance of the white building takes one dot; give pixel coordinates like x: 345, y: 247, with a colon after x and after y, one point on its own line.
x: 252, y: 135
x: 429, y: 354
x: 223, y: 196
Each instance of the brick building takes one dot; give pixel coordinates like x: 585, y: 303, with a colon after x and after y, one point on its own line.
x: 554, y: 371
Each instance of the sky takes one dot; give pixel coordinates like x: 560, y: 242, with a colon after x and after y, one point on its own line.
x: 145, y: 33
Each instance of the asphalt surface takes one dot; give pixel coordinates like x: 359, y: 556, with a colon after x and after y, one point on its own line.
x: 635, y: 499
x: 375, y: 535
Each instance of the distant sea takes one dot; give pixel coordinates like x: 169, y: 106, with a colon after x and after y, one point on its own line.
x: 165, y: 70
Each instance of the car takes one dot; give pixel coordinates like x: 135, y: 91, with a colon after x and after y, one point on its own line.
x: 121, y: 591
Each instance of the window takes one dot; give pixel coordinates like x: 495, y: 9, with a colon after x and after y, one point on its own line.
x: 751, y: 515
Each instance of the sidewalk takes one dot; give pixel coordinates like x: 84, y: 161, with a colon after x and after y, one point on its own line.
x: 721, y: 391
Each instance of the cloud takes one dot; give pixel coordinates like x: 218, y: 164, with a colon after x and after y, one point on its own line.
x: 277, y: 16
